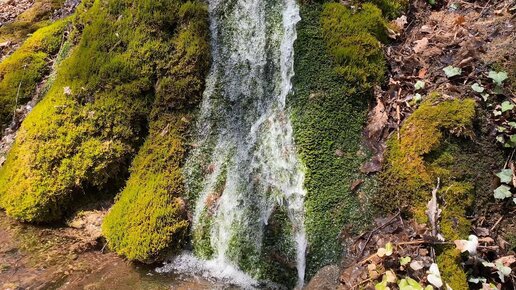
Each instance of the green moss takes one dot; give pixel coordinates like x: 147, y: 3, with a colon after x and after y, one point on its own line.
x: 21, y: 72
x: 337, y: 60
x: 391, y: 8
x: 34, y: 18
x: 82, y: 142
x: 449, y: 261
x: 149, y: 217
x: 425, y: 151
x: 353, y: 40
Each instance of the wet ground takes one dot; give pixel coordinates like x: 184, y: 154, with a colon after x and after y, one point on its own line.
x: 34, y: 257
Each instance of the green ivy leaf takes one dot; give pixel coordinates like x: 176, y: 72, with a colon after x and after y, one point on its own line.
x: 485, y: 96
x: 497, y: 77
x: 452, y: 71
x: 405, y: 260
x: 502, y: 192
x: 409, y: 284
x: 388, y: 249
x: 497, y: 113
x: 507, y: 106
x: 512, y: 124
x: 381, y: 285
x: 419, y: 85
x: 477, y: 280
x: 477, y: 88
x: 501, y: 129
x: 505, y: 176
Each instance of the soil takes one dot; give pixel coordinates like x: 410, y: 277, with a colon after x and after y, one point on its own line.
x: 73, y: 256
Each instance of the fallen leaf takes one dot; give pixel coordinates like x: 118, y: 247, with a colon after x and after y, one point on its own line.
x: 400, y: 22
x: 459, y: 20
x: 507, y: 260
x: 434, y: 276
x: 470, y: 245
x: 416, y: 265
x: 420, y: 45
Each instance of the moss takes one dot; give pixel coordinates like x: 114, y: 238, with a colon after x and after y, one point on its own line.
x: 149, y: 217
x: 21, y: 72
x: 82, y: 142
x: 352, y: 38
x: 430, y: 147
x: 449, y: 261
x: 329, y: 110
x: 36, y: 17
x: 391, y: 8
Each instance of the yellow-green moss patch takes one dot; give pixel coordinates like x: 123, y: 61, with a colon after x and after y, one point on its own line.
x: 149, y: 217
x: 21, y: 72
x: 425, y: 151
x: 353, y: 38
x: 81, y: 137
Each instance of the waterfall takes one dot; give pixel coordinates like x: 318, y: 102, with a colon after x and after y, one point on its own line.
x: 244, y: 166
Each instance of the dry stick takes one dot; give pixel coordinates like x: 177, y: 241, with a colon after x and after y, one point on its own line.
x: 377, y: 228
x: 367, y: 280
x: 496, y: 224
x: 509, y: 159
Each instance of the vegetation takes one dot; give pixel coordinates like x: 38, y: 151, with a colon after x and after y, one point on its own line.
x: 80, y: 138
x: 423, y: 154
x: 21, y: 72
x: 36, y: 17
x: 149, y: 216
x: 353, y: 40
x: 334, y: 75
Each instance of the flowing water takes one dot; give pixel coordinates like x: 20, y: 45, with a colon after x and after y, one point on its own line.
x: 244, y: 166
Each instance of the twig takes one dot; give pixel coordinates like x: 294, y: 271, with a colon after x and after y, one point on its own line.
x: 378, y: 228
x: 496, y: 224
x: 366, y: 280
x: 509, y: 159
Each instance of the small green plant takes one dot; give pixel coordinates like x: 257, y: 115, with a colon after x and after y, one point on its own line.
x: 452, y: 71
x: 419, y: 85
x: 497, y: 77
x: 504, y: 190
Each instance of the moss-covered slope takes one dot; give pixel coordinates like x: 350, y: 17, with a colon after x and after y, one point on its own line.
x: 435, y: 142
x: 338, y: 59
x: 149, y: 216
x: 80, y: 138
x: 21, y: 72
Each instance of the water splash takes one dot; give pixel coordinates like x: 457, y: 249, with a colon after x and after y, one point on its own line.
x: 245, y: 166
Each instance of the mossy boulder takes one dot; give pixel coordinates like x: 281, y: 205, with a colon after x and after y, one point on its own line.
x: 149, y: 218
x: 81, y: 137
x: 430, y: 146
x: 21, y: 72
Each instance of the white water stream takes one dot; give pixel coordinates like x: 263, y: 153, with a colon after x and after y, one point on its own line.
x: 244, y: 137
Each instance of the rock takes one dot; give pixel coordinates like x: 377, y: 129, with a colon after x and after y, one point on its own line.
x: 325, y: 279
